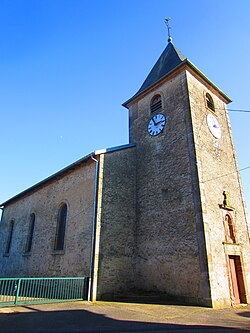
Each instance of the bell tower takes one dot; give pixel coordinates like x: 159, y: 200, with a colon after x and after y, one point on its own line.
x: 191, y: 244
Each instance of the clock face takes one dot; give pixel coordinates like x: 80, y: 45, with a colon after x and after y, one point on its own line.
x: 213, y: 126
x: 156, y: 124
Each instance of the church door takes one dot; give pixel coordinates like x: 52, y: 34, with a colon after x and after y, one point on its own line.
x: 237, y: 281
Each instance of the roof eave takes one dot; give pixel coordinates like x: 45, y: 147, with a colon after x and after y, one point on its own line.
x: 125, y: 104
x: 184, y: 63
x: 227, y: 100
x: 63, y: 171
x: 47, y: 180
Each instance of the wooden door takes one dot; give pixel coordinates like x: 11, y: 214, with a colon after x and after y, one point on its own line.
x: 237, y: 281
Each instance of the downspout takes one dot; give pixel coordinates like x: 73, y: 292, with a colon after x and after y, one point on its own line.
x: 2, y: 208
x: 93, y: 238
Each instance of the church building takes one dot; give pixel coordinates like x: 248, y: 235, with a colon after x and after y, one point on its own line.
x: 162, y: 215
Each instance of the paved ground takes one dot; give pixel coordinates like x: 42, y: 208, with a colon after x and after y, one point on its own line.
x: 106, y: 317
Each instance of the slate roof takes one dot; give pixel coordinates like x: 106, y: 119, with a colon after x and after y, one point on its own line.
x: 170, y: 59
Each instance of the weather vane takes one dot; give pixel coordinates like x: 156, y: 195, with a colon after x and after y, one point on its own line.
x: 168, y: 26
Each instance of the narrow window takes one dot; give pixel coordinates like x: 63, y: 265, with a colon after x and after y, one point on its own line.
x: 30, y: 233
x: 210, y: 102
x: 230, y: 229
x: 10, y: 235
x: 61, y: 228
x: 156, y: 104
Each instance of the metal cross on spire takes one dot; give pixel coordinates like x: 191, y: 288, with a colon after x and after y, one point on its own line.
x: 168, y: 26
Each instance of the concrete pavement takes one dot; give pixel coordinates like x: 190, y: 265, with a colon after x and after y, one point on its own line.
x: 77, y: 317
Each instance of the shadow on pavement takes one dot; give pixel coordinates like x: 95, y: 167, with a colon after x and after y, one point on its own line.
x: 244, y: 314
x: 77, y: 321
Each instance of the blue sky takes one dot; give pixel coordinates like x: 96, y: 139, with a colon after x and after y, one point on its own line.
x: 66, y: 66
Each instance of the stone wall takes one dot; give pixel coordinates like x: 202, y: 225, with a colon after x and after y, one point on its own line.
x: 75, y: 188
x: 116, y: 222
x: 218, y: 172
x: 170, y: 240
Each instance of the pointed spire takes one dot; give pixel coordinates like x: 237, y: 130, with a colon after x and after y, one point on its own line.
x: 170, y: 59
x: 168, y: 26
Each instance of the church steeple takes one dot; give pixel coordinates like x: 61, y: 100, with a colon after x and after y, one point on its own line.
x: 185, y: 163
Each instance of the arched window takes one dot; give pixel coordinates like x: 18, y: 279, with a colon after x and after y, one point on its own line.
x: 210, y: 102
x: 230, y: 233
x: 61, y: 228
x: 10, y: 236
x: 156, y: 104
x: 30, y: 233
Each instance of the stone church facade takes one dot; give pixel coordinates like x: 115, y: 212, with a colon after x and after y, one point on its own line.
x: 162, y: 215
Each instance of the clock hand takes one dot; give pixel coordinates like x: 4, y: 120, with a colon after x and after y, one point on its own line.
x: 159, y: 122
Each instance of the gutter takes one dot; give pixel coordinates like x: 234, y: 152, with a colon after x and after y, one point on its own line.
x: 93, y: 237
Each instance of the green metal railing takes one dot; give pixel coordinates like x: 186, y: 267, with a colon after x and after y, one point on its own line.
x: 42, y: 290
